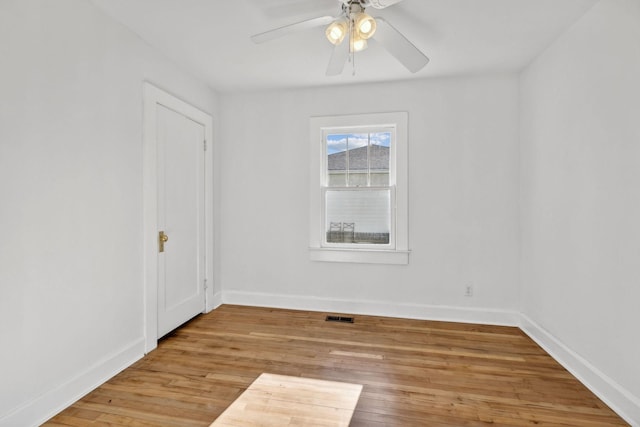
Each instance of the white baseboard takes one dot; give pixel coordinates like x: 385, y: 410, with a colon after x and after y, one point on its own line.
x: 214, y: 302
x: 51, y: 402
x: 374, y: 308
x: 615, y: 396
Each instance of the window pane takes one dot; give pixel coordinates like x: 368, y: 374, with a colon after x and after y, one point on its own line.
x: 379, y: 179
x: 337, y: 179
x: 357, y: 179
x: 337, y: 160
x: 379, y: 151
x: 358, y: 149
x: 358, y: 216
x: 379, y: 158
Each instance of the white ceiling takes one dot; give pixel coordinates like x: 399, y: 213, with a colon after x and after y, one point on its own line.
x: 210, y: 38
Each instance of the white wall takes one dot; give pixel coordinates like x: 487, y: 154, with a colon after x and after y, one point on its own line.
x: 580, y: 137
x: 463, y: 150
x: 71, y: 291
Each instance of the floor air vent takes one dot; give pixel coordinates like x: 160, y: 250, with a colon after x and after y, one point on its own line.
x: 341, y: 319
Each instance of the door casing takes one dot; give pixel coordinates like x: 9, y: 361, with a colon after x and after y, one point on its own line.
x: 152, y: 97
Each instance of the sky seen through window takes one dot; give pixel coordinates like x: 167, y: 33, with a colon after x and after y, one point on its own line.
x: 337, y: 143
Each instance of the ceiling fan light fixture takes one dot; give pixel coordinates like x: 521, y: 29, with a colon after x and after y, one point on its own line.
x: 357, y: 27
x: 336, y: 31
x: 365, y: 25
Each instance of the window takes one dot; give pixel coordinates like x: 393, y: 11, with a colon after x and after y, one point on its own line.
x: 357, y: 195
x: 359, y: 188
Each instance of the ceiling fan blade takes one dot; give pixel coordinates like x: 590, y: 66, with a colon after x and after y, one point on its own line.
x: 398, y: 46
x: 338, y: 58
x: 381, y: 4
x: 298, y: 26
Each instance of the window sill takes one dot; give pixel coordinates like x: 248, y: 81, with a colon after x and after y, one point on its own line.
x: 364, y: 256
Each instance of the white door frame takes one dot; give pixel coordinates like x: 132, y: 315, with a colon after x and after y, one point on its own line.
x: 152, y: 97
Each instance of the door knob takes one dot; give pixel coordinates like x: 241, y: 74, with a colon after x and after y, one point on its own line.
x: 162, y: 238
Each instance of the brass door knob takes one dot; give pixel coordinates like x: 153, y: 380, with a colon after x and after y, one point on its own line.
x: 162, y: 238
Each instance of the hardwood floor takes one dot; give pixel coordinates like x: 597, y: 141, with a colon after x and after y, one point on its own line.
x: 415, y: 373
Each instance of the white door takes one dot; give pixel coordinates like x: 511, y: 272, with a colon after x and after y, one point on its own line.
x: 181, y: 218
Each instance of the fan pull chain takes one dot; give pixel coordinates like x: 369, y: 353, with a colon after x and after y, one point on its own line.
x: 351, y: 45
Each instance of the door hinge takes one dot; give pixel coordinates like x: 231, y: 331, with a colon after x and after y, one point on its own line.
x: 205, y: 144
x: 205, y: 284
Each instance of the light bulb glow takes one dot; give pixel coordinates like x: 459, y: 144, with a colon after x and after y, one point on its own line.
x: 336, y: 31
x: 358, y: 45
x: 366, y: 25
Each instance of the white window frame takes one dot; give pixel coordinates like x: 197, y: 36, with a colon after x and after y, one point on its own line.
x: 397, y: 251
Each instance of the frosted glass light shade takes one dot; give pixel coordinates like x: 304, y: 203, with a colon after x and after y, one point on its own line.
x: 358, y: 44
x: 365, y: 25
x: 336, y: 32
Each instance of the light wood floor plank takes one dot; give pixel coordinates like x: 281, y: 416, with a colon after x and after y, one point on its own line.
x: 414, y: 373
x: 280, y: 401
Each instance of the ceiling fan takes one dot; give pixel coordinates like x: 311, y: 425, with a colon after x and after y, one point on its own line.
x: 350, y: 32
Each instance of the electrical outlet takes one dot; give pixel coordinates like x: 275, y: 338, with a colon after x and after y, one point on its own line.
x: 468, y: 291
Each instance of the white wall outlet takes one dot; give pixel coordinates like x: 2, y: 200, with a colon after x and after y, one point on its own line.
x: 468, y: 291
